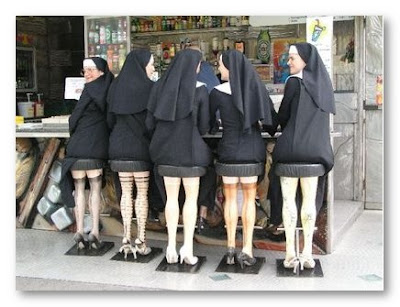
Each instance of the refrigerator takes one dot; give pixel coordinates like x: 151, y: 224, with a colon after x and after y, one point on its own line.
x: 108, y: 37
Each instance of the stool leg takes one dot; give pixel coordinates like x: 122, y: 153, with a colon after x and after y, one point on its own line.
x: 248, y: 216
x: 308, y: 212
x: 289, y: 214
x: 141, y: 210
x: 231, y: 212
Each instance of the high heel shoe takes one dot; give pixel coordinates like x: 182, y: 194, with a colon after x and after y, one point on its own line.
x: 230, y: 256
x: 306, y: 262
x: 245, y: 259
x: 127, y: 248
x: 141, y: 247
x: 80, y: 241
x: 94, y: 242
x: 293, y: 263
x: 171, y: 255
x: 201, y: 222
x: 185, y: 256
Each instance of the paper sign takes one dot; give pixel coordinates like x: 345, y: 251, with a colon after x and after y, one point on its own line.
x: 74, y: 87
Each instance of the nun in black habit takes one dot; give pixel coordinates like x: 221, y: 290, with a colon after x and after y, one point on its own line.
x: 304, y: 118
x: 245, y: 107
x: 129, y: 142
x: 88, y: 142
x: 179, y: 116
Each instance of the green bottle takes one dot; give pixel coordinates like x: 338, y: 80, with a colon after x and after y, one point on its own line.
x: 264, y: 46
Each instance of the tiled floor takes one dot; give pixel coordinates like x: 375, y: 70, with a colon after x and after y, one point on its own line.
x: 357, y: 264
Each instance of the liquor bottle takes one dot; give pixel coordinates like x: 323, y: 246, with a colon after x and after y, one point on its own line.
x: 96, y: 34
x: 102, y: 34
x: 240, y: 46
x: 110, y: 52
x: 122, y: 56
x: 114, y: 34
x: 264, y: 46
x: 108, y: 34
x: 119, y: 32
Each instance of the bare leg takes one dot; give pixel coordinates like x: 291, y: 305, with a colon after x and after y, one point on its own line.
x: 126, y: 180
x: 191, y: 186
x: 80, y: 205
x: 95, y: 181
x: 289, y: 214
x: 172, y: 185
x: 141, y: 210
x: 248, y: 215
x: 308, y: 216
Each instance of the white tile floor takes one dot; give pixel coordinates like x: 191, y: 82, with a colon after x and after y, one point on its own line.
x: 356, y: 265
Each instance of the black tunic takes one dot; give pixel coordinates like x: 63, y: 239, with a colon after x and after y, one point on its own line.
x: 236, y: 145
x: 127, y: 100
x: 305, y: 128
x: 179, y: 142
x: 88, y: 132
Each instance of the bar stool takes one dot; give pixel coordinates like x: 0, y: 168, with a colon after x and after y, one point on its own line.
x: 299, y: 170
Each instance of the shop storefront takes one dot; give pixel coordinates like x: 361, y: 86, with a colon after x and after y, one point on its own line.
x: 354, y: 54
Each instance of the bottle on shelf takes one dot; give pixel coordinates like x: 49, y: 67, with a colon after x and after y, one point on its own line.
x: 264, y: 46
x: 122, y: 56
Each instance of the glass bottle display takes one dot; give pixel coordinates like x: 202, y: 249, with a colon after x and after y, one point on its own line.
x: 108, y: 38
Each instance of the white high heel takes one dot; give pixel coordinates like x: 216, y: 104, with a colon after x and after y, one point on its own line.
x: 171, y: 255
x: 186, y: 256
x: 293, y: 263
x: 127, y: 248
x: 306, y: 262
x: 141, y: 247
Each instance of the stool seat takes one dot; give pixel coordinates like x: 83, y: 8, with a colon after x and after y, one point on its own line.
x: 181, y: 171
x: 299, y: 170
x: 88, y: 164
x: 129, y: 166
x: 239, y: 170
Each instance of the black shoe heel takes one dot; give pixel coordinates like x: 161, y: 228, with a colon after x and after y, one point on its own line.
x: 230, y: 256
x: 94, y: 242
x: 245, y: 260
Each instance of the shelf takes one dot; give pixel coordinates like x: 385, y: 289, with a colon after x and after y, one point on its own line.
x: 189, y: 31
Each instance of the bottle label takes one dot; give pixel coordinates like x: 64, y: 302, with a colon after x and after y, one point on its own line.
x: 264, y: 50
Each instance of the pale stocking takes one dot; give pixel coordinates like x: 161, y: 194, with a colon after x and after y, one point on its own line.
x: 289, y: 213
x: 308, y: 211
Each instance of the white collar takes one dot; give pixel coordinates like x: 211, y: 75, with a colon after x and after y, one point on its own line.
x: 298, y: 75
x: 198, y: 84
x: 225, y: 88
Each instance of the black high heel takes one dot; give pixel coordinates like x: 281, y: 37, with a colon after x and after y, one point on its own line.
x: 230, y: 256
x: 94, y: 242
x: 245, y: 259
x: 80, y: 241
x: 201, y: 222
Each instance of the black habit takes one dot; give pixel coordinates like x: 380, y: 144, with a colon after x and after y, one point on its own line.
x: 88, y: 128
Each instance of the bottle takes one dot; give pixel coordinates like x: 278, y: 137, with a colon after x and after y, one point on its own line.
x: 124, y: 31
x: 108, y: 34
x: 264, y: 46
x: 39, y: 106
x: 115, y: 60
x: 119, y: 32
x: 240, y: 46
x: 96, y: 35
x: 379, y: 90
x: 102, y: 34
x: 110, y: 53
x: 114, y: 35
x: 122, y: 56
x: 91, y: 32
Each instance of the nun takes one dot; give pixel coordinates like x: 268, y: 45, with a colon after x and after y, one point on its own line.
x: 87, y: 149
x: 304, y: 119
x: 245, y: 107
x: 129, y: 143
x: 178, y: 117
